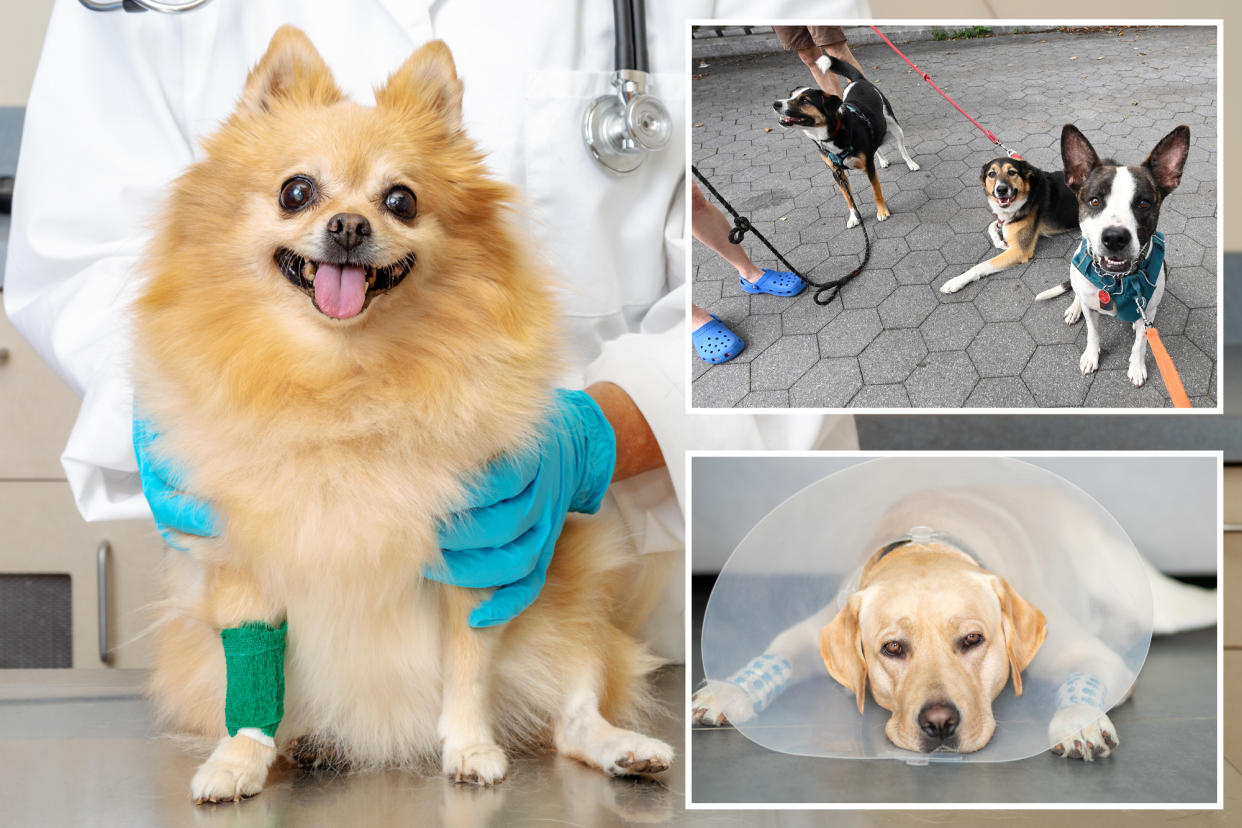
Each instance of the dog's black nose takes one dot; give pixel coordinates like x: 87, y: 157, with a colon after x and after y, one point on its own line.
x: 939, y: 720
x: 776, y: 105
x: 1001, y: 190
x: 1115, y: 239
x: 348, y: 229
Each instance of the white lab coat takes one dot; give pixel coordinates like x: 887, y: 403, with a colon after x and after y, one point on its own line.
x: 121, y: 101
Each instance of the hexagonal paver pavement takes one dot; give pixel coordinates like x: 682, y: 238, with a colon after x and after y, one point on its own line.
x: 891, y: 339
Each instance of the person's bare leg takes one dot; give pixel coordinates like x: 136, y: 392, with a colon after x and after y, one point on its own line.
x: 698, y: 317
x: 712, y: 229
x: 825, y: 81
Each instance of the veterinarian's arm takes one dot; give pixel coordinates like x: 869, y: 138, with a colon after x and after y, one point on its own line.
x: 638, y: 450
x: 103, y: 136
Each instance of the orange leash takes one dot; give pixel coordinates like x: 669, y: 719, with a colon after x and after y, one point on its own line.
x: 1172, y: 382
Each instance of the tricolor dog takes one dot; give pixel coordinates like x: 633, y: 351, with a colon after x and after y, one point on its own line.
x: 1027, y: 203
x: 848, y: 130
x: 1119, y: 267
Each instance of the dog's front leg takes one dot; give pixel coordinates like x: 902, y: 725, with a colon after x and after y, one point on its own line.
x: 1081, y: 729
x: 1090, y: 359
x: 1138, y: 355
x: 469, y: 752
x: 254, y: 653
x: 843, y: 184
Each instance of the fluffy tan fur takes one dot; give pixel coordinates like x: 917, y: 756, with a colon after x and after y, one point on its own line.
x: 329, y: 446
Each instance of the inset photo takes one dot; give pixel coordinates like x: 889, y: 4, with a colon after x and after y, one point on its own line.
x: 994, y: 216
x: 955, y: 629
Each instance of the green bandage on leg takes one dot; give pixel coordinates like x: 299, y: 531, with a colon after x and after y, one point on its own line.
x: 254, y: 658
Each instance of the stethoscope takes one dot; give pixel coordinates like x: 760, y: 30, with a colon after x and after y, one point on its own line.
x: 619, y: 129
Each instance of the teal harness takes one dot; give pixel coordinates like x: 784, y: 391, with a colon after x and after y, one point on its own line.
x: 1124, y: 293
x: 838, y: 159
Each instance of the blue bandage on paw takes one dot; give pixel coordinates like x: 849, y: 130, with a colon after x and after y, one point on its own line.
x: 1081, y: 688
x: 763, y: 679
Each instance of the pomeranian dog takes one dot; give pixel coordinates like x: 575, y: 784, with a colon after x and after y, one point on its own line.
x: 340, y: 326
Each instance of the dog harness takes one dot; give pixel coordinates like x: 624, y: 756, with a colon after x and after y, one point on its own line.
x: 254, y: 658
x: 1124, y: 293
x: 838, y: 160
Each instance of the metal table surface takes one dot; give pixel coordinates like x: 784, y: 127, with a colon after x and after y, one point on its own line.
x: 89, y: 758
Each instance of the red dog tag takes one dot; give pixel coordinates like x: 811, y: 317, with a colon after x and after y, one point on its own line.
x: 1104, y: 298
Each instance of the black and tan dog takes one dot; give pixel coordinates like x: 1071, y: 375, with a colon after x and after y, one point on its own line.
x: 848, y: 130
x: 1028, y: 203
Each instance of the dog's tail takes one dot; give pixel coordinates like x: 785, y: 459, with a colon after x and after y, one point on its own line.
x: 1064, y: 287
x: 827, y: 63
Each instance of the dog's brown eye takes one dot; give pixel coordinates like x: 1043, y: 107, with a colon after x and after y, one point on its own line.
x: 296, y: 193
x: 1094, y: 201
x: 893, y: 648
x: 1144, y: 204
x: 972, y: 640
x: 991, y: 173
x: 401, y: 203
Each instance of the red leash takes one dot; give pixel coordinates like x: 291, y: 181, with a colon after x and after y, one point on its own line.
x: 927, y: 78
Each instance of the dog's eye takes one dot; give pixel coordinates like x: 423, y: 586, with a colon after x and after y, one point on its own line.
x: 894, y: 649
x: 971, y: 640
x: 401, y: 203
x: 1144, y: 204
x: 991, y: 173
x: 296, y: 193
x: 1094, y: 201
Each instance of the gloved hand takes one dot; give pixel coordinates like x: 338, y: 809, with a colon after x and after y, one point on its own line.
x: 504, y: 536
x: 173, y: 508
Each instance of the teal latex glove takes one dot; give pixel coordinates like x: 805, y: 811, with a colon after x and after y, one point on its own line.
x: 174, y: 509
x: 505, y: 534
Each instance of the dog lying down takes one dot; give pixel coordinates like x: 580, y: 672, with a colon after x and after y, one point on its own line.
x: 937, y: 636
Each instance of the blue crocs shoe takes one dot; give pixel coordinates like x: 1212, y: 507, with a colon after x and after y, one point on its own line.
x: 775, y: 283
x: 716, y: 343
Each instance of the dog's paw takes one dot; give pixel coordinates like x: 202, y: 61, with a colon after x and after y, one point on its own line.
x: 236, y: 769
x: 311, y: 752
x: 994, y: 233
x: 1074, y: 312
x: 1082, y: 732
x: 1137, y: 372
x: 955, y: 284
x: 883, y: 161
x: 1089, y: 361
x: 721, y: 702
x: 481, y: 764
x: 853, y: 220
x: 910, y: 163
x: 641, y: 755
x: 882, y: 215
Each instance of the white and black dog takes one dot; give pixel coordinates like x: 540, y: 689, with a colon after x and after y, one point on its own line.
x: 848, y: 130
x: 1119, y: 267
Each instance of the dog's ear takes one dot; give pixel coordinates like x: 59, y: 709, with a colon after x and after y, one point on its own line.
x: 1077, y: 155
x: 427, y: 80
x: 1168, y: 158
x: 290, y: 70
x: 1024, y: 626
x: 840, y: 645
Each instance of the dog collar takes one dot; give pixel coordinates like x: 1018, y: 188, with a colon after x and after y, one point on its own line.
x: 1124, y: 292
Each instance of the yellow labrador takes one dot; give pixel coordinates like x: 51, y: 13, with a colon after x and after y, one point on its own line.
x: 937, y: 637
x: 937, y: 634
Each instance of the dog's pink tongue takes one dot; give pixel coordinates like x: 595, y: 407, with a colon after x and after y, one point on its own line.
x: 340, y: 291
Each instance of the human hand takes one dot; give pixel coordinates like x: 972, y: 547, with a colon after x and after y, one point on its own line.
x: 505, y: 534
x: 174, y: 509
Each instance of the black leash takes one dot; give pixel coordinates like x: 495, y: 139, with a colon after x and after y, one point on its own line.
x: 742, y: 226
